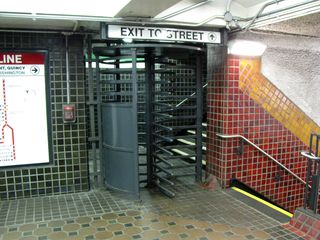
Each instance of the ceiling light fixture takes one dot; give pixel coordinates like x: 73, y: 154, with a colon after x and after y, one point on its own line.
x: 127, y: 40
x: 246, y: 48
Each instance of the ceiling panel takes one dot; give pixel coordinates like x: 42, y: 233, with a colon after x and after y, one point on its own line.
x: 106, y: 8
x: 36, y: 24
x: 198, y: 14
x: 35, y: 14
x: 145, y: 8
x: 250, y: 3
x: 306, y: 25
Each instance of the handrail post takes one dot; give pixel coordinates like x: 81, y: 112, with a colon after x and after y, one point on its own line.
x: 240, y: 149
x: 311, y: 194
x: 307, y: 184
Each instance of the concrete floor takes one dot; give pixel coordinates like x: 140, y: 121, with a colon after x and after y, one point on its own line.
x: 194, y: 213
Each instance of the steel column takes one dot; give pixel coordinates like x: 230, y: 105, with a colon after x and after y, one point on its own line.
x: 135, y: 109
x: 199, y: 112
x: 91, y: 112
x: 102, y: 164
x: 149, y: 82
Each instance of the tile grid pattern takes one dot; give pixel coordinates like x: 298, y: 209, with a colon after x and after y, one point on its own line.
x: 307, y: 222
x: 206, y: 215
x: 262, y: 91
x: 69, y: 172
x: 231, y: 111
x: 133, y: 225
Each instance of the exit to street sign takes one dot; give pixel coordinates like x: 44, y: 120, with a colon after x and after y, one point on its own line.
x: 167, y: 34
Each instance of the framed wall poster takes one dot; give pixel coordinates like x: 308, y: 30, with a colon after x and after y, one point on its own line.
x: 25, y: 127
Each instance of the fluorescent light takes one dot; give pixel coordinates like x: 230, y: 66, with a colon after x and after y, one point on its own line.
x: 127, y: 40
x: 102, y: 8
x: 246, y: 48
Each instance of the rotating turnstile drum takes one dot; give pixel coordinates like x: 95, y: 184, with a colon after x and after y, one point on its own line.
x: 148, y: 95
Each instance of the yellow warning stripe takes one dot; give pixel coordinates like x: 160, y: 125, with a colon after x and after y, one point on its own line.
x: 263, y: 202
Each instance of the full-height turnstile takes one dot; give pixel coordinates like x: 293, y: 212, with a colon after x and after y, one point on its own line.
x: 148, y: 96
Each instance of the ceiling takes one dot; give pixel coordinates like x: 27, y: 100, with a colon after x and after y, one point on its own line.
x: 87, y: 15
x: 307, y: 26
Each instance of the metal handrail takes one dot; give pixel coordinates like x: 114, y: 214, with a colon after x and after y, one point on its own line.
x: 310, y: 156
x: 265, y: 153
x: 191, y: 95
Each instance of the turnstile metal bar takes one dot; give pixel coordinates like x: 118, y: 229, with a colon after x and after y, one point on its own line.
x: 163, y: 149
x: 167, y: 139
x: 190, y: 117
x: 179, y: 156
x: 120, y: 70
x: 162, y: 115
x: 176, y: 86
x: 170, y: 174
x: 166, y: 191
x: 164, y: 179
x: 160, y: 158
x: 173, y: 128
x: 180, y: 146
x: 176, y: 97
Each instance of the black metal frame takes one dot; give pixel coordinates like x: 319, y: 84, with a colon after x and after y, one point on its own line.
x: 158, y: 115
x: 311, y: 196
x: 45, y: 52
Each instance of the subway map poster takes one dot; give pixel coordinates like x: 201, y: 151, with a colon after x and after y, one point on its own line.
x: 23, y: 109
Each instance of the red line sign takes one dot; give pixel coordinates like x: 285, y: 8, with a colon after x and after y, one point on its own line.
x: 21, y: 58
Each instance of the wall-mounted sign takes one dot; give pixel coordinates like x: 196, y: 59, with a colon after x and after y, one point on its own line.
x: 167, y: 34
x: 23, y: 109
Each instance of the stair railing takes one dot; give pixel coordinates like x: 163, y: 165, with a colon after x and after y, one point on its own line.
x: 191, y: 95
x: 311, y: 195
x: 263, y: 152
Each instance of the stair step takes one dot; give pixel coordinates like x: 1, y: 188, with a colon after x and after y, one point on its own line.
x: 190, y: 142
x: 194, y: 132
x: 184, y: 152
x: 260, y: 205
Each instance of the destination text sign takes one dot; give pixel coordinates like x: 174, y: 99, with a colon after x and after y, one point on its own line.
x: 167, y: 34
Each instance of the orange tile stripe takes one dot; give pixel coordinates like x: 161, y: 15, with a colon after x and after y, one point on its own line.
x: 263, y: 92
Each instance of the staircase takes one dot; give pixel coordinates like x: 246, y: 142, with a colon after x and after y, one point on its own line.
x: 187, y: 140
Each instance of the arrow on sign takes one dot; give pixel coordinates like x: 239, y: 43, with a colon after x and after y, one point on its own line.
x: 35, y: 70
x: 212, y: 37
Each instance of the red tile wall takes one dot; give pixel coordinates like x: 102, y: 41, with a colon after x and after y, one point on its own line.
x: 230, y: 111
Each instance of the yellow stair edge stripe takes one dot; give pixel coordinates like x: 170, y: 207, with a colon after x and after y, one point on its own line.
x: 263, y: 202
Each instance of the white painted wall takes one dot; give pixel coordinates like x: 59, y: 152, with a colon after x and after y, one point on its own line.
x: 292, y: 63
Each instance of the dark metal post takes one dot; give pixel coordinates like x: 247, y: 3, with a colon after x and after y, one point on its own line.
x: 149, y: 78
x: 316, y: 154
x: 135, y: 112
x: 91, y: 112
x: 102, y: 164
x: 199, y: 110
x: 311, y: 196
x: 316, y: 178
x: 117, y: 75
x: 240, y: 149
x: 305, y: 204
x: 317, y: 187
